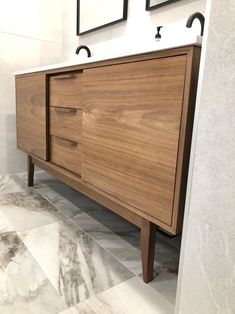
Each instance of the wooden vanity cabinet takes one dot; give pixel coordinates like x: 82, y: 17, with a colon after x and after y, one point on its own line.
x: 119, y: 131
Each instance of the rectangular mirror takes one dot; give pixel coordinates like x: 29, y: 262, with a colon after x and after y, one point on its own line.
x: 154, y: 4
x: 95, y: 14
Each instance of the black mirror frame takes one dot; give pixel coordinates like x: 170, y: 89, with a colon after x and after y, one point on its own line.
x: 149, y: 8
x: 124, y: 18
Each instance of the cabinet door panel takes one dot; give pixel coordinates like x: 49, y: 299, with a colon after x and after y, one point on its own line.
x: 31, y: 115
x: 131, y: 126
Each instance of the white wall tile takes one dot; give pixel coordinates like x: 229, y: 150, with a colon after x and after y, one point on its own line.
x: 17, y: 53
x: 209, y: 271
x: 213, y: 186
x: 34, y: 18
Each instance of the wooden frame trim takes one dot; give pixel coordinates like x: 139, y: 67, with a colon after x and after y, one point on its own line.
x: 186, y: 127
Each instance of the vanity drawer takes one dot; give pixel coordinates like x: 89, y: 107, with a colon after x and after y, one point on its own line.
x: 66, y: 123
x: 66, y: 154
x: 66, y: 90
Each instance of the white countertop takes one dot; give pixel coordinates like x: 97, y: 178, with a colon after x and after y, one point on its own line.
x: 157, y: 46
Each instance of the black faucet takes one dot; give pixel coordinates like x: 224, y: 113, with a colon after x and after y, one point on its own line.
x: 83, y: 47
x: 198, y: 16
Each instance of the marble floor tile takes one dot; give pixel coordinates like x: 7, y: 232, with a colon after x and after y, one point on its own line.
x: 74, y: 263
x: 11, y: 184
x: 129, y: 297
x: 174, y: 241
x: 165, y: 267
x: 27, y: 209
x: 119, y: 238
x: 64, y: 204
x: 165, y: 279
x: 5, y: 225
x: 23, y: 286
x: 40, y: 178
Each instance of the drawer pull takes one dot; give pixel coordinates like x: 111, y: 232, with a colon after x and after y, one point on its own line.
x: 65, y: 77
x: 64, y: 142
x: 73, y: 144
x: 66, y: 110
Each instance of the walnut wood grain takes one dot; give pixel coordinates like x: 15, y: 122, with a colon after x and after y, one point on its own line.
x: 31, y: 115
x: 118, y: 206
x: 66, y: 123
x: 108, y: 201
x: 131, y: 128
x: 66, y: 154
x: 66, y: 90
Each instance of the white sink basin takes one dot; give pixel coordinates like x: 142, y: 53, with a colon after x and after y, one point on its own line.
x: 155, y: 46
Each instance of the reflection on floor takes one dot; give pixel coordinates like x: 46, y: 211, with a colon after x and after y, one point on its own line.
x: 60, y: 252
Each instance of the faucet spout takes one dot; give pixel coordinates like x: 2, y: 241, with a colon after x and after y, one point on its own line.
x: 198, y: 16
x: 83, y: 47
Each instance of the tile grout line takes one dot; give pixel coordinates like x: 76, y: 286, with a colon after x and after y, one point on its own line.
x: 31, y: 38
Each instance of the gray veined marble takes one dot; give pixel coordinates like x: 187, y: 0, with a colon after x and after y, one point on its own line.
x: 40, y: 178
x: 10, y: 184
x: 114, y: 234
x: 23, y: 286
x: 118, y: 237
x: 26, y: 209
x: 129, y: 297
x: 74, y: 263
x: 65, y: 205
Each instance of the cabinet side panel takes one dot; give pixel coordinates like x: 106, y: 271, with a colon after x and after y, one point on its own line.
x: 31, y: 115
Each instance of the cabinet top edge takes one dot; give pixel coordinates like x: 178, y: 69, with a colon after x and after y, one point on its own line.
x: 115, y: 59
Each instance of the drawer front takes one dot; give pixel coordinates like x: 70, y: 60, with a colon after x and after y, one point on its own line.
x: 66, y: 154
x: 66, y: 90
x: 66, y: 123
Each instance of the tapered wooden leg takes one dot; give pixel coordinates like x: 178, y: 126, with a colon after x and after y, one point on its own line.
x: 30, y: 170
x: 148, y: 233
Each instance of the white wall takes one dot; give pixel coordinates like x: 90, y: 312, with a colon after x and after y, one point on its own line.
x: 30, y: 35
x: 139, y: 29
x: 207, y: 265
